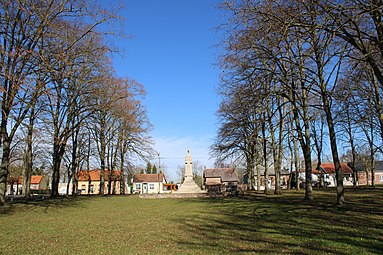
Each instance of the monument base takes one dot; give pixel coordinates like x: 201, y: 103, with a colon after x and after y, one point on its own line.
x: 189, y: 186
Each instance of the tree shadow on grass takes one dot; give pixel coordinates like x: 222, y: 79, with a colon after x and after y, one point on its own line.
x: 287, y: 224
x: 25, y: 205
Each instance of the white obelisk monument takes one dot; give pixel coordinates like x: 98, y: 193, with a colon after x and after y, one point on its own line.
x: 188, y: 166
x: 189, y: 186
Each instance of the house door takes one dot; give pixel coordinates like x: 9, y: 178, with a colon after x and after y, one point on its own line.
x: 145, y: 188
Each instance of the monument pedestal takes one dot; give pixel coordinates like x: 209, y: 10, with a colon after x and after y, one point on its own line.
x: 189, y: 186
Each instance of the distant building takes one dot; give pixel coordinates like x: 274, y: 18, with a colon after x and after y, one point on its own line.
x: 90, y: 181
x: 220, y: 179
x: 149, y: 183
x: 365, y: 174
x: 327, y: 172
x: 38, y: 183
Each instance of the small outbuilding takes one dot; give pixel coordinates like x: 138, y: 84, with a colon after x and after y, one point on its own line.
x: 220, y: 180
x: 148, y: 183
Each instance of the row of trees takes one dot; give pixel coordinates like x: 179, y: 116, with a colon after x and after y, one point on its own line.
x: 60, y: 95
x: 150, y: 169
x: 298, y: 74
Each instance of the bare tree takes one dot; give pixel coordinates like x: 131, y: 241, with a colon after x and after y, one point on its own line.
x: 359, y: 25
x: 24, y: 24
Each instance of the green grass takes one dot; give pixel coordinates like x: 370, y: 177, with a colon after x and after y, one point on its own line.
x: 255, y: 224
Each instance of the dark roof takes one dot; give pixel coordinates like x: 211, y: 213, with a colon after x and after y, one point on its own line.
x: 358, y: 166
x: 378, y: 165
x: 226, y: 174
x: 148, y: 178
x: 362, y: 166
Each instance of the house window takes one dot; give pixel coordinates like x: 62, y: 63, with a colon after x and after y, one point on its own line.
x: 91, y: 188
x: 138, y: 186
x: 151, y: 186
x: 381, y: 178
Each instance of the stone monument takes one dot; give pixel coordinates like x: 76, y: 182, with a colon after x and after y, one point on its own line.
x: 189, y: 186
x: 188, y: 166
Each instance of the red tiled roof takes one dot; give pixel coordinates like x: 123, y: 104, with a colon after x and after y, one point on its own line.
x: 148, y: 178
x: 94, y: 175
x: 330, y: 168
x: 35, y: 179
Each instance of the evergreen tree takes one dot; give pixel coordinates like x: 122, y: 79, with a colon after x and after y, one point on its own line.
x: 154, y: 169
x: 149, y: 168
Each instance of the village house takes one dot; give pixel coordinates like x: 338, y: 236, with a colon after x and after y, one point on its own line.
x: 89, y: 182
x: 329, y: 175
x: 38, y: 183
x: 220, y: 179
x: 150, y: 183
x: 326, y: 172
x: 284, y: 180
x: 378, y: 176
x: 365, y: 175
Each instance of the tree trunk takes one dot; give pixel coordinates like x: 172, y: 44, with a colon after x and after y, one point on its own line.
x: 278, y: 189
x: 75, y: 183
x: 68, y: 184
x: 309, y: 189
x: 122, y: 176
x: 4, y: 171
x: 334, y: 151
x: 304, y: 139
x: 29, y: 155
x: 372, y: 153
x: 88, y: 164
x: 56, y: 174
x: 353, y: 150
x: 296, y: 154
x: 306, y: 148
x: 58, y: 153
x: 274, y: 149
x: 109, y: 168
x: 6, y: 156
x: 252, y: 176
x: 102, y: 155
x: 372, y: 162
x: 258, y: 176
x: 249, y: 170
x: 265, y: 161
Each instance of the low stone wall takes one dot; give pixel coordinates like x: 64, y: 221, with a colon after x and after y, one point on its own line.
x: 176, y: 195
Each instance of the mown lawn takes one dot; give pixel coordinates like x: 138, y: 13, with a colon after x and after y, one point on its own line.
x: 256, y: 224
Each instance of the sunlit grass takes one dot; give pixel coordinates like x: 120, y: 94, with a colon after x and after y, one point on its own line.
x: 253, y: 224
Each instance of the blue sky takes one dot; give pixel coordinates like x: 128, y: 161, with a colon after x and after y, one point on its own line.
x: 172, y: 53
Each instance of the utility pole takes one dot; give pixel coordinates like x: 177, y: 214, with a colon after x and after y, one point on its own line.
x: 158, y: 173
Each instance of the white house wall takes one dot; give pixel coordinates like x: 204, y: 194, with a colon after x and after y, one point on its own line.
x: 153, y: 187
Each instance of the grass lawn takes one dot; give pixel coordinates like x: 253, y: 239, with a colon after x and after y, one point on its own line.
x: 256, y: 224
